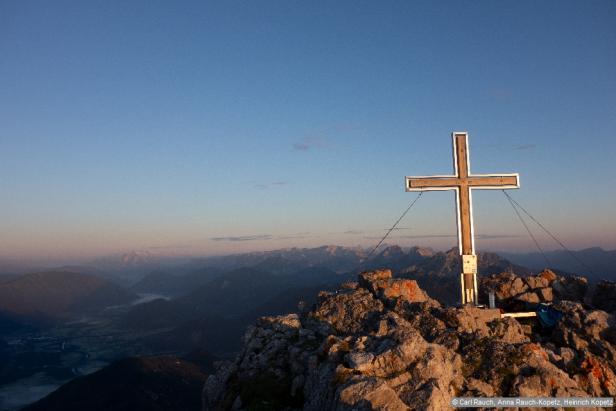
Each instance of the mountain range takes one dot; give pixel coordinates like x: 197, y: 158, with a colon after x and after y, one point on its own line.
x: 58, y: 294
x: 594, y: 263
x: 207, y: 303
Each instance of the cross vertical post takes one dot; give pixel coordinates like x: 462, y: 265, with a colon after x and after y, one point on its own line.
x: 463, y: 182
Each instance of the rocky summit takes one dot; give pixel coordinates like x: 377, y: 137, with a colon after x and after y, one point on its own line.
x: 382, y: 343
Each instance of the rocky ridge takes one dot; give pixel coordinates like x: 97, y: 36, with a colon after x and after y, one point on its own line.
x: 382, y: 343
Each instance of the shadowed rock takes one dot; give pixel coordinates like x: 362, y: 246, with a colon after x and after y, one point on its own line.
x: 604, y: 296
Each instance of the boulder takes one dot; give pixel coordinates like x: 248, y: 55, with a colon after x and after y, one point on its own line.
x: 348, y: 312
x: 548, y: 274
x: 518, y: 286
x: 388, y: 289
x: 570, y: 288
x: 545, y: 294
x: 360, y: 361
x: 596, y: 376
x: 407, y: 290
x: 508, y: 330
x: 428, y: 396
x: 368, y: 277
x: 537, y: 282
x: 539, y: 377
x: 369, y: 395
x: 529, y: 297
x: 478, y: 388
x: 596, y: 322
x: 475, y: 320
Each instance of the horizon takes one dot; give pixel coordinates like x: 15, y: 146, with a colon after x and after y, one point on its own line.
x: 223, y: 128
x: 95, y: 261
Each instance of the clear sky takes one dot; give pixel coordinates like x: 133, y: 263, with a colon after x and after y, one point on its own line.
x: 208, y: 127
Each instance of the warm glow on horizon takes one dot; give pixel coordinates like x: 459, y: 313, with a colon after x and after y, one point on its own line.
x: 121, y: 133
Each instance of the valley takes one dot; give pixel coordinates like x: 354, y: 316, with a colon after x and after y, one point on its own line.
x: 199, y: 308
x: 36, y: 361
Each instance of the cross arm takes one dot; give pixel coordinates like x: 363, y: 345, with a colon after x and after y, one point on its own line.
x: 432, y: 183
x: 494, y: 181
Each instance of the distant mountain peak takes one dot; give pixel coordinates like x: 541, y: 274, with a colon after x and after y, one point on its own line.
x: 136, y: 257
x: 421, y: 251
x: 392, y: 251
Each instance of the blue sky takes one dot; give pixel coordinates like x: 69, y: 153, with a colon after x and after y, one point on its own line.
x: 186, y: 127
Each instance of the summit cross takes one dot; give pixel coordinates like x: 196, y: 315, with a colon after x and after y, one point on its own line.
x: 463, y: 182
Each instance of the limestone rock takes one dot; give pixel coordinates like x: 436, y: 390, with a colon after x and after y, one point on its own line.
x: 478, y: 388
x: 388, y: 289
x: 549, y: 275
x: 570, y: 288
x: 518, y: 286
x: 368, y: 277
x: 509, y: 330
x: 360, y: 361
x: 523, y: 294
x: 529, y: 297
x: 382, y: 344
x: 400, y: 288
x: 348, y: 311
x: 545, y: 294
x: 471, y: 319
x: 537, y: 281
x: 369, y: 395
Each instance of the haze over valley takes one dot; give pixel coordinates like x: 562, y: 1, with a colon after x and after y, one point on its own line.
x: 63, y: 322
